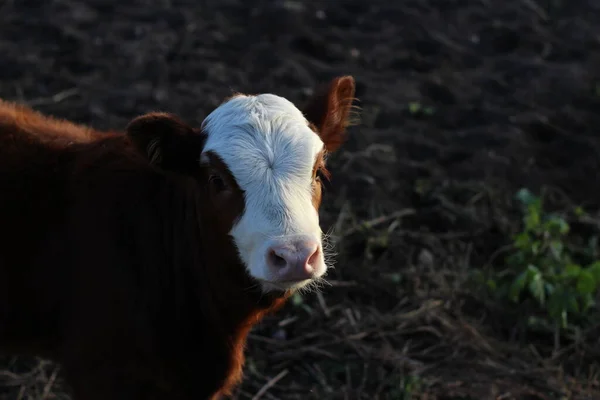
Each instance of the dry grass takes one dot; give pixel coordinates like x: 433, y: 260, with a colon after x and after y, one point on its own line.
x: 420, y: 333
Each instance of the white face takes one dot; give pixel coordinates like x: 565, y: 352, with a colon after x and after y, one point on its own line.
x: 271, y: 151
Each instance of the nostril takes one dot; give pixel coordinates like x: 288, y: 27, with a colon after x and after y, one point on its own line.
x: 277, y: 260
x: 313, y: 257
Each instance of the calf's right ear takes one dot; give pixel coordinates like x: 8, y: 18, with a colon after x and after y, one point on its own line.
x: 166, y: 141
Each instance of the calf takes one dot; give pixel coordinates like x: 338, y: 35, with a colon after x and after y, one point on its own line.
x: 140, y: 260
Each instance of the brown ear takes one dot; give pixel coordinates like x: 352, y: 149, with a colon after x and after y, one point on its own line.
x: 329, y: 110
x: 166, y: 141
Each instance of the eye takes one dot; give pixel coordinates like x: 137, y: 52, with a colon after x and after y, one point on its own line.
x: 321, y: 175
x: 217, y: 183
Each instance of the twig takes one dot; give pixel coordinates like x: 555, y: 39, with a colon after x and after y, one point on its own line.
x: 536, y: 9
x: 335, y: 283
x: 322, y: 303
x: 378, y: 221
x: 48, y: 385
x: 270, y: 384
x: 57, y: 98
x: 22, y: 391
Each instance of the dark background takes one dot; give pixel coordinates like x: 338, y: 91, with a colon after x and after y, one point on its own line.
x: 462, y: 104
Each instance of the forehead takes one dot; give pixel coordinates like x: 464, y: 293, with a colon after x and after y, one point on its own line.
x: 263, y: 135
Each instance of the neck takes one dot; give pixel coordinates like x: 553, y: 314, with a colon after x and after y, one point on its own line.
x: 215, y: 302
x: 198, y: 302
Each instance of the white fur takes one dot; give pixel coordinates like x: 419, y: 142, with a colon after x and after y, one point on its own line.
x: 270, y: 150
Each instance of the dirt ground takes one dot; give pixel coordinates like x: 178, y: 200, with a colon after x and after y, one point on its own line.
x: 463, y: 102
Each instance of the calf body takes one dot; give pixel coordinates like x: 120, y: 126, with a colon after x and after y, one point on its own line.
x: 140, y: 260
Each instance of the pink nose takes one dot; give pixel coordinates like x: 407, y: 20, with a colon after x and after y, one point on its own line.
x: 295, y: 261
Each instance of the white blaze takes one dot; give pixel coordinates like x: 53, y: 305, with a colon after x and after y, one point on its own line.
x: 270, y: 150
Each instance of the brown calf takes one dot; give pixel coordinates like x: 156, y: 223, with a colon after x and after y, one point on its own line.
x: 141, y: 260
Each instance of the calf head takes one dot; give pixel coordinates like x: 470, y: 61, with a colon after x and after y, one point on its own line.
x: 262, y: 161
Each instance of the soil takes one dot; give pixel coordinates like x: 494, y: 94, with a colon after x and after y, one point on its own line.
x: 462, y: 103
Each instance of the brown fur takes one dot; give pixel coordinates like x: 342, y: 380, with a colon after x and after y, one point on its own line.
x: 319, y: 172
x: 115, y: 259
x: 44, y: 128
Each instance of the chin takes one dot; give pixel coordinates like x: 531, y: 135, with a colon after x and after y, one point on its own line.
x: 285, y: 286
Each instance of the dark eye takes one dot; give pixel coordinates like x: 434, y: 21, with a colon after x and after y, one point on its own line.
x: 320, y: 176
x: 217, y: 183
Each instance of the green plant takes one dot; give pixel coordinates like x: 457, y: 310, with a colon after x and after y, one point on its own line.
x: 406, y: 388
x: 416, y: 108
x: 542, y: 268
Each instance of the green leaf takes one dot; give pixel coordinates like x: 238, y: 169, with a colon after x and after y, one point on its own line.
x: 429, y: 111
x: 522, y: 240
x: 572, y: 304
x: 557, y: 226
x: 586, y: 283
x: 536, y: 287
x: 395, y: 277
x: 525, y: 196
x: 535, y: 247
x: 532, y: 270
x: 297, y: 299
x: 555, y: 304
x: 556, y: 248
x: 587, y: 303
x: 571, y: 271
x: 414, y: 107
x: 594, y: 269
x: 516, y: 259
x: 518, y: 285
x: 532, y: 219
x: 564, y: 319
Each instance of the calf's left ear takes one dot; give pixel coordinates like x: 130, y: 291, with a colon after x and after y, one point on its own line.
x: 330, y: 110
x: 166, y: 141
